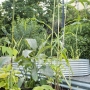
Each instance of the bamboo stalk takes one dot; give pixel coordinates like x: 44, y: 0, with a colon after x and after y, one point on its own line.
x: 53, y: 27
x: 12, y: 32
x: 58, y: 30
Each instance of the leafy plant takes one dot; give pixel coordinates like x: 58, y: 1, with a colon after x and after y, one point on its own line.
x: 75, y: 54
x: 84, y: 39
x: 6, y: 76
x: 74, y: 39
x: 8, y: 79
x: 56, y: 63
x: 29, y: 59
x: 28, y: 28
x: 43, y: 87
x: 58, y: 46
x: 76, y: 44
x: 4, y: 41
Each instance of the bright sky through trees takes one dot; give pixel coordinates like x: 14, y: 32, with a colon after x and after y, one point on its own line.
x: 1, y: 1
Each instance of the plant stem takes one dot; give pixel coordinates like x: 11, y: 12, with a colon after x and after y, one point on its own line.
x: 52, y: 27
x: 13, y: 21
x: 58, y: 30
x: 12, y: 31
x: 63, y: 23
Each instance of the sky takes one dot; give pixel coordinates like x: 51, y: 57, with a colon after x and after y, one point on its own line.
x: 1, y: 1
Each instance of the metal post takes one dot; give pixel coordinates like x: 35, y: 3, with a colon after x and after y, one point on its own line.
x: 63, y: 19
x: 62, y: 13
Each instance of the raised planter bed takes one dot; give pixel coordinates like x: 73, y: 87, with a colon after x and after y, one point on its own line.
x: 79, y: 67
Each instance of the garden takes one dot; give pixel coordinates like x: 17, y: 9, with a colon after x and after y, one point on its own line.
x: 43, y: 44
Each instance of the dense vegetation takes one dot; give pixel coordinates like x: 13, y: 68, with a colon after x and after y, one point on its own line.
x: 42, y: 11
x: 39, y: 35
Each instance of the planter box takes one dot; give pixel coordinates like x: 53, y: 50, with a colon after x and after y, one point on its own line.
x: 79, y: 67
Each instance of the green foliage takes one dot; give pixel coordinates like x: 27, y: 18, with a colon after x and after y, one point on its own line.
x: 30, y: 9
x: 58, y: 67
x: 71, y: 14
x: 26, y: 9
x: 11, y: 52
x: 5, y: 47
x: 82, y: 49
x: 71, y: 40
x: 43, y: 87
x: 28, y: 60
x: 5, y: 78
x: 32, y: 43
x: 32, y: 50
x: 8, y: 80
x: 28, y: 28
x: 84, y: 40
x: 1, y: 21
x: 4, y: 41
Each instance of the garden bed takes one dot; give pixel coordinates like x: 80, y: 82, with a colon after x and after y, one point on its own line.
x: 79, y: 67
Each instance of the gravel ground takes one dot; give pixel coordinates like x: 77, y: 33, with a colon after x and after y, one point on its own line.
x: 82, y: 78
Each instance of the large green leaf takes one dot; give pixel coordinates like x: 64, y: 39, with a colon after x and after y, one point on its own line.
x: 47, y: 87
x: 2, y: 84
x: 10, y: 51
x: 26, y: 52
x: 64, y: 56
x: 43, y: 87
x: 20, y: 82
x: 15, y: 52
x: 46, y: 71
x: 4, y: 49
x: 4, y: 75
x: 41, y: 57
x: 4, y: 60
x: 43, y: 81
x: 41, y: 50
x: 38, y: 88
x: 34, y: 74
x: 32, y: 43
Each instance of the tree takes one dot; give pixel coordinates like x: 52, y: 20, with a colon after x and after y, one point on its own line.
x: 27, y: 9
x: 24, y: 8
x: 1, y: 21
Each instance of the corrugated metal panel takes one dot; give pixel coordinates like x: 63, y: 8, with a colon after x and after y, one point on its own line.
x: 79, y: 67
x: 89, y: 67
